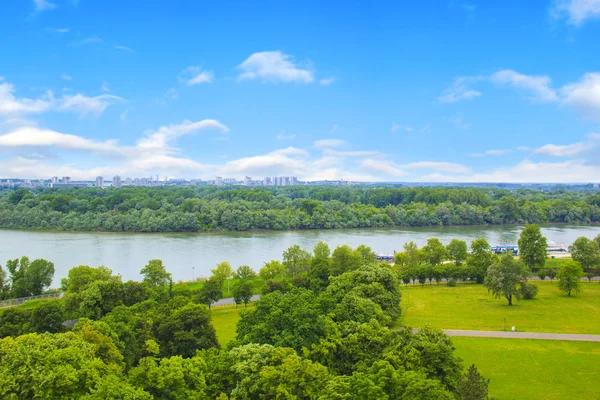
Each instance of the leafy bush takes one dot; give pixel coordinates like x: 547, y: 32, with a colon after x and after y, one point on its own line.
x: 452, y: 283
x: 529, y: 291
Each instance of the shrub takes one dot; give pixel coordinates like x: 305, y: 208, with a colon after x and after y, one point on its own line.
x: 452, y: 283
x: 528, y: 290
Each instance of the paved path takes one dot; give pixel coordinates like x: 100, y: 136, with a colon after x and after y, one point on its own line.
x: 229, y: 300
x: 523, y: 335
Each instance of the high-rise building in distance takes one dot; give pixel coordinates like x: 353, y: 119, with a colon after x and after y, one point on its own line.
x: 99, y: 181
x: 116, y: 181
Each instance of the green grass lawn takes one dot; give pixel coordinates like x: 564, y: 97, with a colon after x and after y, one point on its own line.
x: 534, y: 369
x: 225, y: 319
x: 470, y: 306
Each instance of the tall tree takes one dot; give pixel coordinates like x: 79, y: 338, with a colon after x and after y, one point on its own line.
x: 457, y: 251
x: 480, y: 259
x: 533, y: 246
x: 296, y: 260
x: 271, y: 270
x: 242, y: 292
x: 245, y: 273
x: 223, y: 271
x: 344, y: 259
x: 504, y: 279
x: 586, y: 252
x: 155, y: 274
x: 38, y: 276
x: 473, y: 385
x: 569, y: 277
x: 434, y: 252
x: 212, y: 291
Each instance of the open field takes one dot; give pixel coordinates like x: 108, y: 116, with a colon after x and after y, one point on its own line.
x: 534, y: 369
x: 225, y: 319
x: 470, y: 306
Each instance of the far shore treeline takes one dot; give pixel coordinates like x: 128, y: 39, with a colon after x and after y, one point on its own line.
x: 195, y: 209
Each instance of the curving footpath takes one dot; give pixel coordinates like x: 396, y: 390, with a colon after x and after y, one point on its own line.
x: 522, y: 335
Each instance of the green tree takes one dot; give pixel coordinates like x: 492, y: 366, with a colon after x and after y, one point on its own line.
x: 569, y: 277
x: 434, y: 252
x: 457, y: 251
x: 271, y: 270
x: 211, y: 291
x: 174, y: 378
x: 223, y: 271
x: 320, y: 267
x: 344, y: 259
x: 480, y: 259
x: 80, y: 277
x: 292, y: 320
x: 52, y: 366
x: 14, y: 322
x: 245, y: 273
x: 48, y: 317
x: 4, y: 284
x: 473, y: 385
x: 185, y: 330
x: 17, y: 269
x: 296, y: 260
x: 155, y: 274
x: 504, y: 279
x: 533, y: 247
x: 586, y: 252
x: 38, y: 276
x: 15, y: 197
x: 242, y: 292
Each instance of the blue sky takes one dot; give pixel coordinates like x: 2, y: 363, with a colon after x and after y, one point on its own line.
x: 371, y: 91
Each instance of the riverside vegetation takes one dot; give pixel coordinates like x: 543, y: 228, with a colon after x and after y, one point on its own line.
x: 186, y: 209
x: 320, y: 331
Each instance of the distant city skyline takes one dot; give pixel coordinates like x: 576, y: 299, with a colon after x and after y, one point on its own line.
x: 430, y: 91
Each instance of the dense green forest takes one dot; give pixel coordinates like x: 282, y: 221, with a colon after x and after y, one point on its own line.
x: 321, y: 330
x: 193, y: 209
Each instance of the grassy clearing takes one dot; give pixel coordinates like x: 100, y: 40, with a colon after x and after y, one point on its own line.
x: 534, y: 369
x: 470, y: 306
x: 225, y: 319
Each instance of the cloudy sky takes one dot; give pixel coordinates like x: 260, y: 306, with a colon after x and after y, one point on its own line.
x: 372, y: 91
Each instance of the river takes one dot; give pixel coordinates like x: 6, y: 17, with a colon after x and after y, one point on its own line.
x: 188, y: 256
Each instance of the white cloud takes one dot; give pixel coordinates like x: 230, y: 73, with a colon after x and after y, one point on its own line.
x: 460, y: 90
x: 36, y: 137
x: 438, y: 166
x: 123, y: 116
x: 273, y: 66
x: 160, y: 139
x: 125, y: 48
x: 576, y: 11
x: 381, y: 167
x: 350, y: 153
x: 60, y: 30
x: 289, y: 161
x: 568, y: 150
x: 325, y: 143
x: 584, y: 95
x: 89, y: 40
x: 105, y: 87
x: 397, y: 127
x: 65, y: 77
x: 491, y: 153
x: 283, y: 136
x: 85, y: 106
x: 43, y: 5
x: 326, y: 81
x: 11, y: 105
x: 195, y: 75
x: 569, y: 171
x: 539, y: 86
x: 523, y: 148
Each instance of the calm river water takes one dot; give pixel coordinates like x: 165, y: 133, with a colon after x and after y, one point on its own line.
x: 191, y: 255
